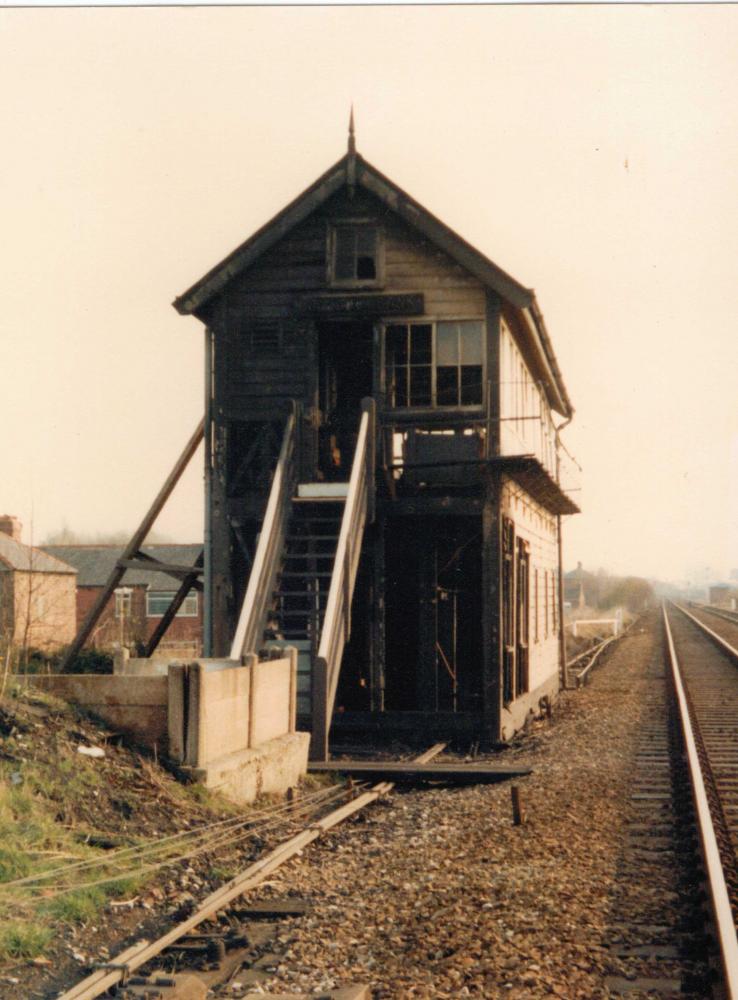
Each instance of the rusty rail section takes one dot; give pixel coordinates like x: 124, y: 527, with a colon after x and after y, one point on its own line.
x: 143, y: 951
x: 703, y: 791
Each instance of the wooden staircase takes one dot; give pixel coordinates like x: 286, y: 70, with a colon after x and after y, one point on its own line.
x: 302, y: 580
x: 301, y: 596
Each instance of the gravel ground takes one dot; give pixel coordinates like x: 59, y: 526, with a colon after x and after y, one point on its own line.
x: 435, y: 893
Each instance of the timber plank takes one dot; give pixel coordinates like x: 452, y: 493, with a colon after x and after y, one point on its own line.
x: 413, y: 771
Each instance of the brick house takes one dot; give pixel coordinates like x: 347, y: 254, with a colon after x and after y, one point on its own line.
x: 139, y: 603
x: 37, y: 593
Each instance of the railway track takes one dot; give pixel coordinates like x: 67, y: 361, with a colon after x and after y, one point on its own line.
x: 672, y: 932
x: 670, y: 927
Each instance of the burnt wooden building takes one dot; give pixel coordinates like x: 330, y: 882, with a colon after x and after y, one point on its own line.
x: 383, y: 474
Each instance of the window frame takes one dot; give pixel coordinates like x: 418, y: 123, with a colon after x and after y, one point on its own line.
x: 123, y: 603
x: 433, y: 407
x: 170, y: 594
x: 331, y: 245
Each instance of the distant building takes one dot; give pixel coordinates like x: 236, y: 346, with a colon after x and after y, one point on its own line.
x: 137, y: 607
x: 722, y: 595
x: 581, y: 588
x: 37, y: 593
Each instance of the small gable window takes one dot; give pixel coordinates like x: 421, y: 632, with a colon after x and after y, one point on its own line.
x: 355, y: 254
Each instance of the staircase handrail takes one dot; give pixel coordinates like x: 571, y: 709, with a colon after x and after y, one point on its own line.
x: 337, y: 622
x: 262, y: 578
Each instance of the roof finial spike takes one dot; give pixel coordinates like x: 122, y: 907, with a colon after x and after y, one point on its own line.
x: 351, y: 136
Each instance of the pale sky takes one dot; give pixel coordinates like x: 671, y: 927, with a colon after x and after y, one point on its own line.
x: 592, y: 152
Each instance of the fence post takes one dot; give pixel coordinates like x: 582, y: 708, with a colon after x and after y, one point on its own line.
x: 176, y: 712
x: 291, y: 652
x: 194, y: 730
x: 254, y: 670
x: 319, y: 739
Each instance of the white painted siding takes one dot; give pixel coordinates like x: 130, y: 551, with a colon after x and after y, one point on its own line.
x: 526, y: 426
x: 537, y: 526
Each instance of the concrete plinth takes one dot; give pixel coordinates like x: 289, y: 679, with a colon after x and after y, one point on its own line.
x: 271, y: 768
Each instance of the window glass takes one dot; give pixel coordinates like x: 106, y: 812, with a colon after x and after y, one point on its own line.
x: 447, y: 386
x: 400, y: 387
x: 355, y: 250
x: 447, y: 343
x: 420, y: 386
x: 471, y: 385
x: 435, y: 364
x: 158, y: 601
x: 471, y: 342
x: 421, y: 344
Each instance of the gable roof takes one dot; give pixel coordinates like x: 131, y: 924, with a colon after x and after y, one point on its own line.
x: 95, y: 563
x: 354, y: 170
x: 15, y: 555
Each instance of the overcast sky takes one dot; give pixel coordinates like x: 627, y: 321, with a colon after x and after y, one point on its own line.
x: 592, y: 152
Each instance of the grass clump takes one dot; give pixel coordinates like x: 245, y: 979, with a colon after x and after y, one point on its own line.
x: 78, y: 907
x: 24, y: 939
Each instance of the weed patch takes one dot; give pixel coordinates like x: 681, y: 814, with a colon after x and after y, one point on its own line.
x: 24, y: 940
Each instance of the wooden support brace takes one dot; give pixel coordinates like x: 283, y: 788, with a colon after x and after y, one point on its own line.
x: 132, y: 548
x: 177, y: 602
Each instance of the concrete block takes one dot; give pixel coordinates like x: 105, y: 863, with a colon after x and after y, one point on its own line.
x: 176, y: 712
x: 136, y: 706
x: 271, y: 768
x: 271, y: 700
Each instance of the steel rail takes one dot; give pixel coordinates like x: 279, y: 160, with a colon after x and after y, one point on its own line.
x: 722, y: 643
x: 582, y: 675
x: 143, y: 951
x: 719, y: 896
x: 727, y: 616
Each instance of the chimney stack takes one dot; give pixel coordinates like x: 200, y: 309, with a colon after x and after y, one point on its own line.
x: 10, y: 525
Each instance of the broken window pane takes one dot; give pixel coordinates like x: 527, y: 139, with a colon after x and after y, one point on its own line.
x: 420, y: 386
x: 396, y: 345
x: 400, y: 387
x: 447, y: 391
x: 471, y: 385
x: 355, y: 251
x: 421, y: 344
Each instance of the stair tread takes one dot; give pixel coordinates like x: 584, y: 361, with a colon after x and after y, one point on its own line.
x: 299, y: 593
x: 293, y: 613
x: 294, y: 573
x: 312, y: 538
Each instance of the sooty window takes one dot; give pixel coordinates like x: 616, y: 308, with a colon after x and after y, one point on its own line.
x: 355, y: 254
x: 434, y: 364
